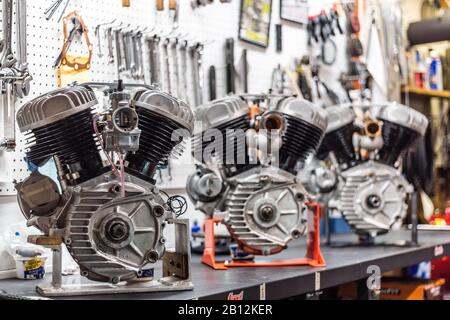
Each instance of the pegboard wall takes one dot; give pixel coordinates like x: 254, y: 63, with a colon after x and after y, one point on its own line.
x: 211, y: 25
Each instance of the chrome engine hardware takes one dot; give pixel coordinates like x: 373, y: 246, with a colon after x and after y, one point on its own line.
x: 122, y: 130
x: 110, y: 215
x: 364, y: 152
x: 248, y: 171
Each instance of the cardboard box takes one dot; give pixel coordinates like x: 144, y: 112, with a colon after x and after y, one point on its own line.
x: 411, y: 289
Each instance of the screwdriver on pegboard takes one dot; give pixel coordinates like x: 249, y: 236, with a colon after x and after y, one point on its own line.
x: 159, y: 5
x: 173, y: 5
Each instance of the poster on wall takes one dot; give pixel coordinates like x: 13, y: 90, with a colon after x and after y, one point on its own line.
x: 294, y: 11
x: 254, y: 23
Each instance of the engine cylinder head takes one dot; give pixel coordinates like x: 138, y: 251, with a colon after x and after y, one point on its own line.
x: 402, y: 126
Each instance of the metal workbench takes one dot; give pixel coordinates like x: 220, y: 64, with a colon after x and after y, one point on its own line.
x: 343, y: 265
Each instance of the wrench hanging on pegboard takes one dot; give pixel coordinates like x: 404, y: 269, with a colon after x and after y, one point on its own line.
x: 14, y: 75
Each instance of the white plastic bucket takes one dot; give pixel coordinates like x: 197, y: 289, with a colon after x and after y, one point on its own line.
x: 30, y: 268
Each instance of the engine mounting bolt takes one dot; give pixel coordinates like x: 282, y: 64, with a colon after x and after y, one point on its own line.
x: 158, y: 211
x: 152, y: 256
x: 115, y: 280
x: 296, y: 234
x: 267, y: 212
x: 68, y: 241
x: 162, y: 240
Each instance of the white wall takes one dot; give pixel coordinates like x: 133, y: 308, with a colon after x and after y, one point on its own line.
x: 212, y: 24
x: 9, y: 214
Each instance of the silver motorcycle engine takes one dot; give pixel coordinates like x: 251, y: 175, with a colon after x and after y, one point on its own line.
x: 250, y: 148
x: 364, y: 157
x: 111, y: 217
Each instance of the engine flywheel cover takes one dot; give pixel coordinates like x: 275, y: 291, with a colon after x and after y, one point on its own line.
x: 374, y: 198
x: 266, y: 213
x: 113, y: 238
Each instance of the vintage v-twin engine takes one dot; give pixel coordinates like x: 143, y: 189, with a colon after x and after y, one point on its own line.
x: 363, y: 181
x: 104, y: 205
x: 250, y: 148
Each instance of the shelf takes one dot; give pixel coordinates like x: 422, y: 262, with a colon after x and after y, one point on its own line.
x: 344, y: 265
x: 426, y: 92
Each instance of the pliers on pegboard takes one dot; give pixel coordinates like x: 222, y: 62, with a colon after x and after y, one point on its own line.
x: 52, y: 9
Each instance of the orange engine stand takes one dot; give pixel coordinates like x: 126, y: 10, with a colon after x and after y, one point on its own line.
x: 312, y: 258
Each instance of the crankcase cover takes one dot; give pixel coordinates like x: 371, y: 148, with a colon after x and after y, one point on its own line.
x: 374, y: 198
x: 114, y: 238
x: 266, y: 211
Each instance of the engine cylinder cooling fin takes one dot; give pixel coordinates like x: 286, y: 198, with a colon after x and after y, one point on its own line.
x: 396, y: 140
x: 231, y: 151
x: 229, y: 118
x: 402, y: 125
x: 304, y: 128
x: 340, y: 142
x: 59, y: 124
x: 155, y: 144
x: 339, y: 135
x: 160, y: 116
x: 298, y: 141
x: 72, y: 141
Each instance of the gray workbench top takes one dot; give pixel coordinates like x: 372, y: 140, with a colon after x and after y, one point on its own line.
x: 343, y: 265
